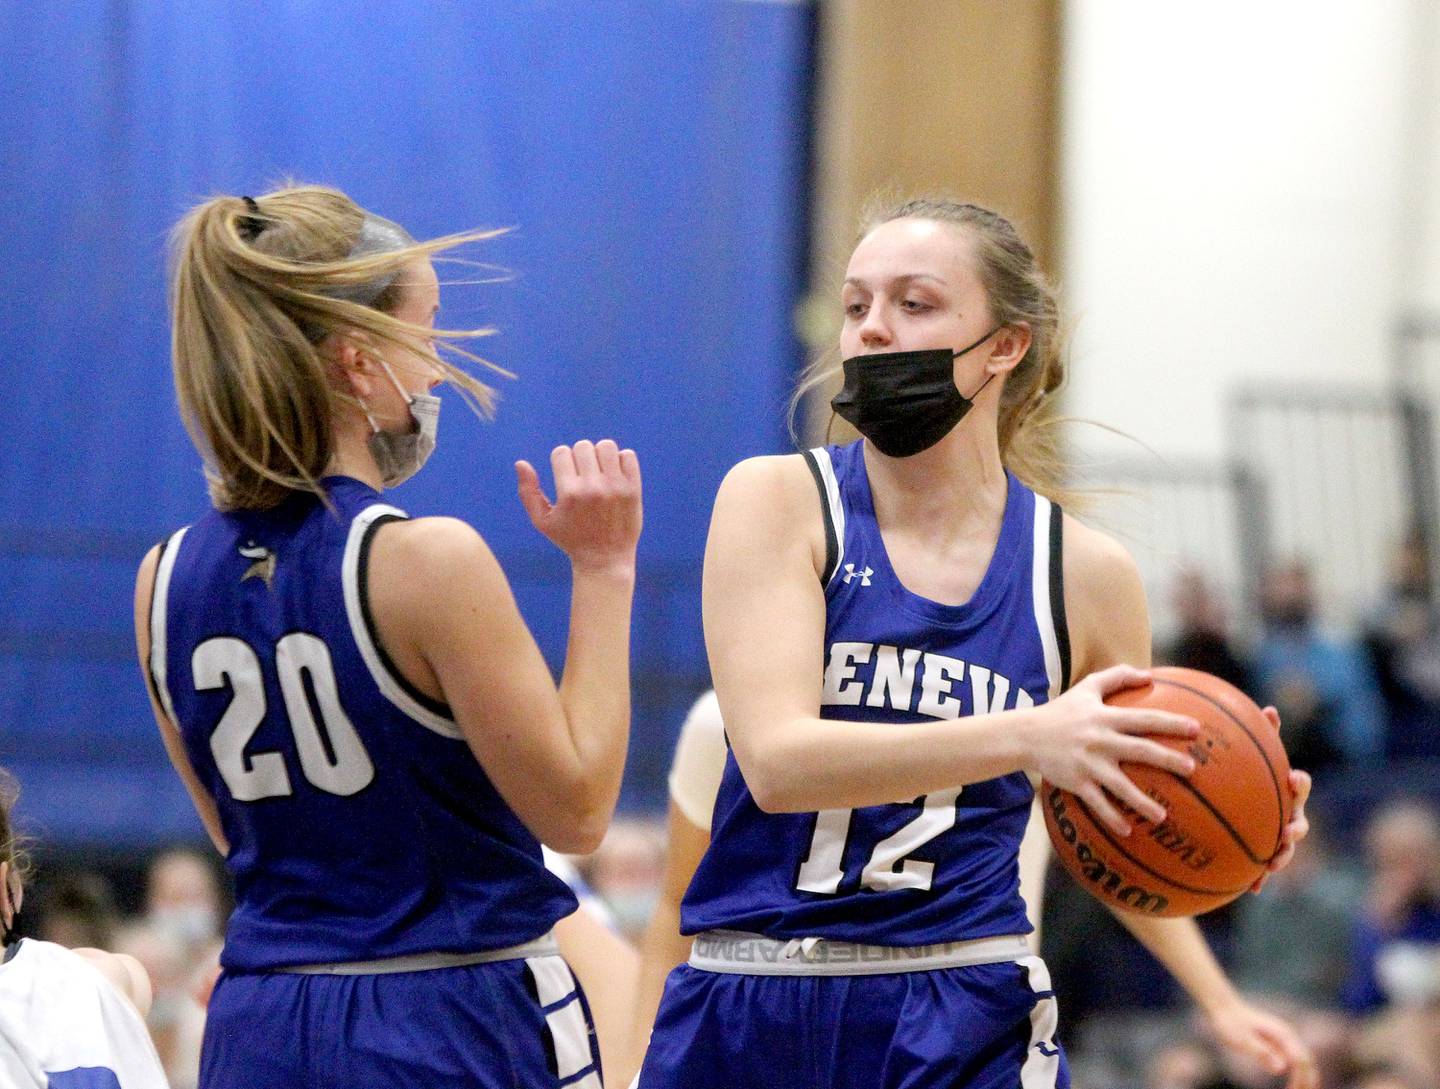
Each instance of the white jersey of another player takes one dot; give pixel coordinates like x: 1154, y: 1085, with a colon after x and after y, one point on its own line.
x: 63, y: 1025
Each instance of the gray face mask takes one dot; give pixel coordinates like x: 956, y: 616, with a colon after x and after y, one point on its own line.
x: 399, y: 455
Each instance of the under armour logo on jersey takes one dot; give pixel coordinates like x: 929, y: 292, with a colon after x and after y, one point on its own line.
x: 863, y: 576
x: 264, y: 566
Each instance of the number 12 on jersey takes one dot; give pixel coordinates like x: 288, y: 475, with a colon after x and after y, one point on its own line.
x: 888, y: 867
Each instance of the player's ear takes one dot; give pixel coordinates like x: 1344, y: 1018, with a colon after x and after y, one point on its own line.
x: 350, y: 365
x: 1010, y: 345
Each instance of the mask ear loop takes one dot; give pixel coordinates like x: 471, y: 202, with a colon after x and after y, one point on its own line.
x: 369, y: 417
x: 972, y: 347
x: 983, y: 384
x: 409, y: 399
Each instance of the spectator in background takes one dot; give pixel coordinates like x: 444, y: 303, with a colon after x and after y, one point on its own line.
x: 183, y: 898
x: 1330, y: 708
x: 1402, y: 635
x: 1385, y: 1077
x: 1400, y: 1049
x: 1396, y: 1061
x: 178, y: 941
x: 1184, y: 1064
x: 176, y: 1019
x: 625, y: 870
x: 1395, y: 958
x: 1312, y: 897
x: 78, y: 911
x: 1202, y: 640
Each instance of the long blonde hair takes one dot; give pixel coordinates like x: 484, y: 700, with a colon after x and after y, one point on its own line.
x: 1018, y: 292
x: 12, y: 849
x: 256, y: 285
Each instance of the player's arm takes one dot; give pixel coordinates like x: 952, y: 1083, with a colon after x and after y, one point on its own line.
x: 1105, y: 601
x: 126, y: 974
x: 662, y: 946
x: 169, y: 732
x: 696, y: 771
x: 555, y: 754
x: 764, y: 614
x: 608, y: 970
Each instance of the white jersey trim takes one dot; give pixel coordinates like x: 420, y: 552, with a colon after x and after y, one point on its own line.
x: 565, y: 1020
x: 390, y: 686
x: 159, y: 610
x: 1040, y: 588
x: 1041, y: 1069
x: 821, y: 459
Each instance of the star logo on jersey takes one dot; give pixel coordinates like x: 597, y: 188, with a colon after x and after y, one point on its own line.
x: 263, y: 565
x: 863, y: 576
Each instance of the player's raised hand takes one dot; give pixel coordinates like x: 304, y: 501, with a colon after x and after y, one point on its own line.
x: 1082, y: 741
x: 596, y: 515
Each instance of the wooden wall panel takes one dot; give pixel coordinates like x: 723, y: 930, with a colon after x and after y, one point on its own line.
x: 914, y: 96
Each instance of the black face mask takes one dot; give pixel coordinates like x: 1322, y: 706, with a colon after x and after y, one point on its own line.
x: 905, y: 402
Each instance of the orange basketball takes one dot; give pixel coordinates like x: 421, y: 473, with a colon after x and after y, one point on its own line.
x: 1222, y: 824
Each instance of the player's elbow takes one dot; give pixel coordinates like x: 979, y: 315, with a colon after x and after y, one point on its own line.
x: 579, y: 831
x: 781, y: 798
x: 769, y: 798
x: 775, y: 788
x: 583, y: 839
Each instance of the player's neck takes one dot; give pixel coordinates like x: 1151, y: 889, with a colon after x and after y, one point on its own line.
x: 957, y: 483
x: 352, y: 455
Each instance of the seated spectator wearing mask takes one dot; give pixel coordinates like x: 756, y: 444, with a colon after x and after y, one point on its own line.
x: 1402, y: 635
x: 1395, y: 957
x: 1330, y: 709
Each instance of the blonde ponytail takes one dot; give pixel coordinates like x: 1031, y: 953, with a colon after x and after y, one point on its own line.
x: 256, y: 285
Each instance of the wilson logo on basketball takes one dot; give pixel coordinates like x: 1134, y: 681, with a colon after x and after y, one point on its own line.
x: 1094, y: 869
x: 1223, y: 822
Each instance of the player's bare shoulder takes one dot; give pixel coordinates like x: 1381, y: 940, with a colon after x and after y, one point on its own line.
x: 777, y: 476
x: 1094, y: 558
x: 425, y: 571
x: 425, y: 544
x: 773, y: 500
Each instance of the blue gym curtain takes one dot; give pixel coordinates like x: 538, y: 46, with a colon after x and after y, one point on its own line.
x: 651, y: 158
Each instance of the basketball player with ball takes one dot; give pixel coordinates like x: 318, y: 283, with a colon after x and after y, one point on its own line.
x: 904, y: 632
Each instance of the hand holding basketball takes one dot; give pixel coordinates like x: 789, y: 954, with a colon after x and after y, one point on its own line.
x: 1224, y: 826
x: 596, y: 516
x: 1086, y: 739
x: 1299, y: 826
